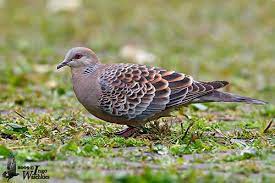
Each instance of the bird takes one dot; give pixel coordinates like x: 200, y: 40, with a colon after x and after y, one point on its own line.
x: 11, y: 168
x: 134, y: 94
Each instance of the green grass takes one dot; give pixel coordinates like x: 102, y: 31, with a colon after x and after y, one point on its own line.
x: 41, y: 120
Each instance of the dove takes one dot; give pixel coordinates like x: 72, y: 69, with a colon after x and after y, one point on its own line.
x: 134, y: 94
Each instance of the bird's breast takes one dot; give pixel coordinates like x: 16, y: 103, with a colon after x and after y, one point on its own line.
x: 87, y: 91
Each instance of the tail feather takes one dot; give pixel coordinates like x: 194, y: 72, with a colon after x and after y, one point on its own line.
x: 218, y: 96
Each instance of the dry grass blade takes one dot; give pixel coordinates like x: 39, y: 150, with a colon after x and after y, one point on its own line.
x: 186, y: 131
x: 268, y: 126
x: 19, y: 114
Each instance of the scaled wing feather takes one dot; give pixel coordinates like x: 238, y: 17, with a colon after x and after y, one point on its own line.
x: 139, y: 92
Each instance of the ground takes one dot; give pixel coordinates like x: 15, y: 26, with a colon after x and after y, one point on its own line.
x: 42, y: 123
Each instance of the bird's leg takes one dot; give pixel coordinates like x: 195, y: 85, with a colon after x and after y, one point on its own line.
x: 128, y: 132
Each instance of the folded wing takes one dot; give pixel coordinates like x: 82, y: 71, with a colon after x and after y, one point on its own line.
x: 139, y: 92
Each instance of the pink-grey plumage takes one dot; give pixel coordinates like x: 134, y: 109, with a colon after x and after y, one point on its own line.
x: 133, y: 94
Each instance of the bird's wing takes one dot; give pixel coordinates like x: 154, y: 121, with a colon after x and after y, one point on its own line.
x: 129, y: 89
x: 195, y: 90
x: 139, y: 91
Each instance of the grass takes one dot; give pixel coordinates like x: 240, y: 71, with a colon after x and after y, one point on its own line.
x: 41, y: 121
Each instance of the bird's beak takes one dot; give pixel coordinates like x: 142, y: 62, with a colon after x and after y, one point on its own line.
x: 62, y: 64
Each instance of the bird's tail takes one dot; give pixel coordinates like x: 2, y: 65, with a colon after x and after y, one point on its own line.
x: 217, y: 96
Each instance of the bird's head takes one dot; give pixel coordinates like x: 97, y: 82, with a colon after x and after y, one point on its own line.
x: 79, y: 57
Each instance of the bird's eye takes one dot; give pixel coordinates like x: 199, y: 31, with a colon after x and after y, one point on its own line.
x: 78, y: 56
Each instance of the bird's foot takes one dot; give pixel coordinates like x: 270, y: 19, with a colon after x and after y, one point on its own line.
x: 128, y: 132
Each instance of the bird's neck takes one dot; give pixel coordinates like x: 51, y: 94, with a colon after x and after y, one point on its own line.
x: 84, y: 70
x: 76, y: 71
